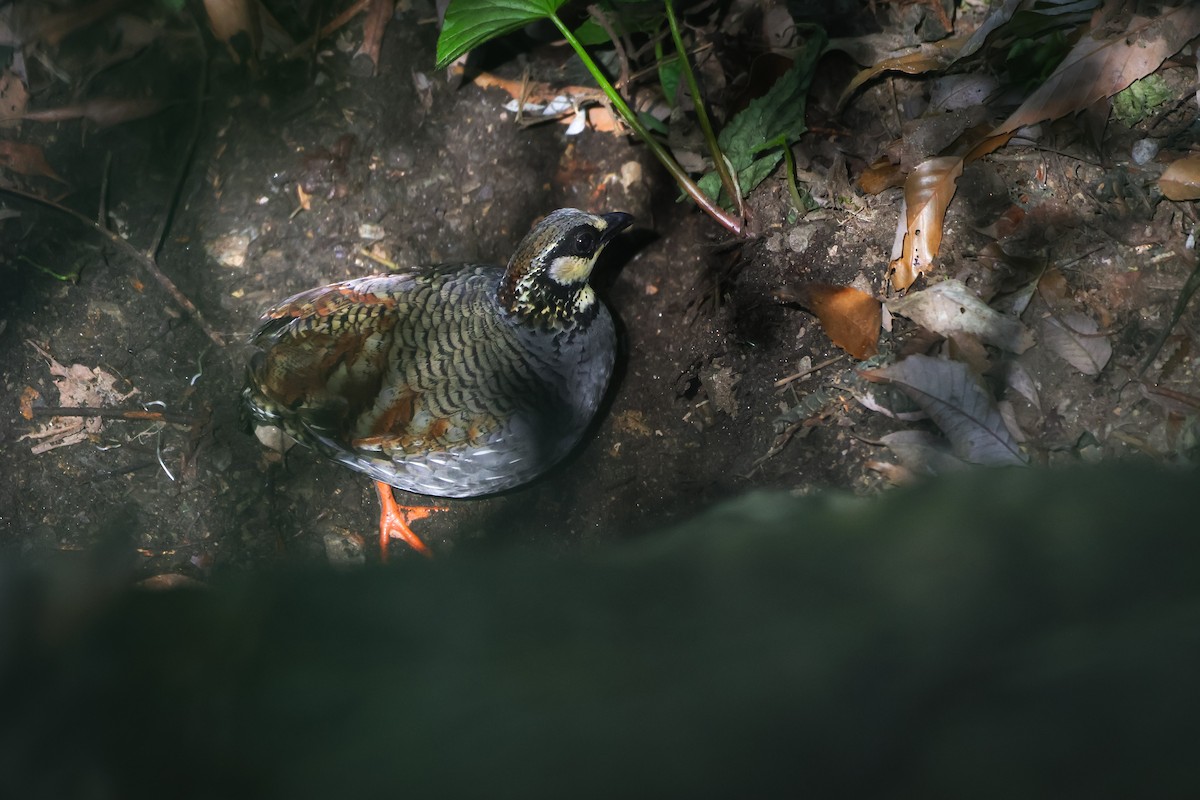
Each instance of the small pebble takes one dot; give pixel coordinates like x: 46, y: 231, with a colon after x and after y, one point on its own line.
x: 1144, y: 151
x: 800, y: 237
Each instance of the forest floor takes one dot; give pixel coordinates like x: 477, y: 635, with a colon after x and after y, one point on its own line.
x: 293, y: 174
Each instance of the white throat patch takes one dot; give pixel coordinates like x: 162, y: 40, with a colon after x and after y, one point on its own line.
x: 570, y: 269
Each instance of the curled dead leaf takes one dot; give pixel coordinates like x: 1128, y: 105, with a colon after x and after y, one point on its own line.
x: 231, y: 19
x: 850, y: 317
x: 927, y: 193
x: 26, y: 159
x: 103, y: 111
x: 378, y: 14
x: 882, y: 174
x: 1181, y: 180
x: 930, y: 58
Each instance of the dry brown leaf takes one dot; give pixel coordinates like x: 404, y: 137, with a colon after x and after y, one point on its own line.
x: 923, y: 453
x: 26, y: 159
x: 851, y: 318
x: 13, y: 99
x: 927, y: 193
x: 535, y: 93
x: 1181, y: 180
x: 883, y: 174
x: 103, y: 111
x: 1185, y: 405
x: 951, y: 308
x: 988, y: 145
x: 967, y: 349
x: 1095, y: 69
x: 929, y: 58
x: 1053, y: 288
x: 229, y: 18
x: 1006, y: 224
x: 895, y: 474
x: 1076, y: 338
x: 28, y: 395
x: 78, y: 387
x: 53, y: 28
x: 954, y: 399
x: 170, y: 580
x: 373, y: 27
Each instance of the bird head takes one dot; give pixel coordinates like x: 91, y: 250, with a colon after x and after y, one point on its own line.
x: 547, y: 277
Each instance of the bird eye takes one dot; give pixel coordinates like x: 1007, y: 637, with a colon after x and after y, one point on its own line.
x: 584, y: 242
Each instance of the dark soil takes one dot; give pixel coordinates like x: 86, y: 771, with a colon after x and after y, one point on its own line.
x: 443, y: 174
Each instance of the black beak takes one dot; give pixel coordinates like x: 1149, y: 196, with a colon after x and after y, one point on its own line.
x: 617, y: 222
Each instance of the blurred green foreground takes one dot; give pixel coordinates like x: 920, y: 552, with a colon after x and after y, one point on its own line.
x: 1005, y: 634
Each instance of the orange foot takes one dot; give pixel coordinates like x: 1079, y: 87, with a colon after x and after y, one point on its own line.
x: 394, y: 521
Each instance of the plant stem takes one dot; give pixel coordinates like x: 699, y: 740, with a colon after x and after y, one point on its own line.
x: 677, y: 172
x: 790, y: 166
x: 710, y: 138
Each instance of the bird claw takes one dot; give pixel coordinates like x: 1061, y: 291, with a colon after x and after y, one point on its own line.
x: 395, y: 519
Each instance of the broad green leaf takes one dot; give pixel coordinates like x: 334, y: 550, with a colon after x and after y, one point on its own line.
x: 777, y: 115
x: 590, y: 33
x: 748, y: 178
x: 470, y: 23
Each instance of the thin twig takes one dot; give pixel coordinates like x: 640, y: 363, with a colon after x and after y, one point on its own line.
x: 603, y: 21
x: 329, y: 27
x: 148, y: 259
x: 1188, y: 96
x: 131, y: 414
x: 137, y: 255
x: 102, y: 210
x: 184, y: 163
x: 804, y: 373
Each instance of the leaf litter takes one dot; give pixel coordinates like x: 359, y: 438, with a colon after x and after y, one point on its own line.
x: 78, y: 386
x: 950, y: 307
x: 985, y: 328
x: 956, y: 402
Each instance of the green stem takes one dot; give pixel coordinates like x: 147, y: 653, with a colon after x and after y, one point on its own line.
x: 661, y: 153
x: 790, y: 165
x: 710, y: 138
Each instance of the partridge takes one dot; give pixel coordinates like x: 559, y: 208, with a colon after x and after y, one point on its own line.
x: 451, y: 381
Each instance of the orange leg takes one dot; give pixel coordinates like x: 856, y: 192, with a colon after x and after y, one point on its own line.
x: 394, y: 521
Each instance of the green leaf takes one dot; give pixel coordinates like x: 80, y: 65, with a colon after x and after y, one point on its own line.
x: 470, y: 23
x: 777, y: 116
x: 626, y: 16
x: 754, y: 174
x: 652, y: 123
x: 590, y: 33
x: 670, y: 69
